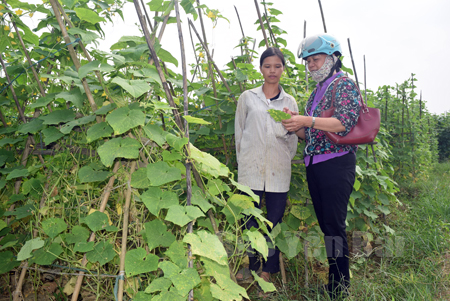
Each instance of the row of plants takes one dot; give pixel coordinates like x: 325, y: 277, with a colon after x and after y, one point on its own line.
x: 100, y: 171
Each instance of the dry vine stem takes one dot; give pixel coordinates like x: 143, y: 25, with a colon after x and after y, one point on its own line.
x: 126, y: 211
x: 106, y: 194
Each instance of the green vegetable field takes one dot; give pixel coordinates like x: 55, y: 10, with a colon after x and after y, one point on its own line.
x: 118, y: 173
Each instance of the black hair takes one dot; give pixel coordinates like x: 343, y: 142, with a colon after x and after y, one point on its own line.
x: 271, y: 51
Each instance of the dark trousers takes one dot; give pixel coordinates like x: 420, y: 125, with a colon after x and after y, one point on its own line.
x: 275, y: 205
x: 330, y: 184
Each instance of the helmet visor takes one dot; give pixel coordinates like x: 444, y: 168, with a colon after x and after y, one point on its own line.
x: 309, y: 45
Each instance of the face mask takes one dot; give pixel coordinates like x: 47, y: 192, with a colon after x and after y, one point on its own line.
x: 323, y: 72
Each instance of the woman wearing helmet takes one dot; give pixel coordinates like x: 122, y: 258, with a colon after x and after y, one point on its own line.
x: 330, y: 167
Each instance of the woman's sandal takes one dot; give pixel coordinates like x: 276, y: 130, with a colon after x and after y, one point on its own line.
x: 243, y: 275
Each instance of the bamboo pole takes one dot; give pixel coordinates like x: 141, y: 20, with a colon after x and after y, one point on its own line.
x: 235, y: 68
x: 249, y: 59
x: 146, y: 14
x: 272, y: 36
x: 186, y: 134
x: 323, y: 17
x: 74, y: 57
x: 126, y: 214
x: 240, y: 24
x: 261, y: 24
x: 306, y: 71
x: 214, y: 64
x: 86, y: 53
x: 420, y: 105
x: 210, y: 69
x: 158, y: 66
x: 105, y: 197
x: 197, y: 59
x: 353, y: 63
x: 385, y: 113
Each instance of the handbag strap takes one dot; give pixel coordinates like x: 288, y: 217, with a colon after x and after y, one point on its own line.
x: 333, y: 93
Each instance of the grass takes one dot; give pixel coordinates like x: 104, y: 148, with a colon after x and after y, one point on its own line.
x: 414, y: 263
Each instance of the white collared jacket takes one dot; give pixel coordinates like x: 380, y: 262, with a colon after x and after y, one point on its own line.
x: 264, y: 148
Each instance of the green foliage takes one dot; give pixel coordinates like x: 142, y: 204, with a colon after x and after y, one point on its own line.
x: 135, y: 122
x: 443, y: 136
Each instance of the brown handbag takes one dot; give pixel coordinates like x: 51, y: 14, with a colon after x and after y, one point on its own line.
x: 365, y: 130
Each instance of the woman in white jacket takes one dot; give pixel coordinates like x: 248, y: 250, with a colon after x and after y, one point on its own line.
x: 264, y: 149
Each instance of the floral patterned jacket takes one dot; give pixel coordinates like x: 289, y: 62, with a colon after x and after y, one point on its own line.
x: 347, y: 105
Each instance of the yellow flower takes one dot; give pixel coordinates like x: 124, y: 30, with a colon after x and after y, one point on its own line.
x: 41, y: 57
x: 11, y: 35
x: 95, y: 91
x: 8, y: 123
x: 1, y: 14
x: 109, y: 8
x: 211, y: 15
x: 31, y: 15
x: 43, y: 79
x: 1, y: 7
x: 23, y: 90
x: 19, y: 12
x: 68, y: 58
x: 13, y: 43
x: 6, y: 28
x: 58, y: 39
x: 104, y: 93
x: 201, y: 54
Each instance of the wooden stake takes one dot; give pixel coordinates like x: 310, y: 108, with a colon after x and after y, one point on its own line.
x: 353, y: 63
x: 74, y: 57
x: 146, y: 14
x: 420, y: 103
x: 102, y: 208
x: 86, y: 53
x: 235, y: 68
x: 249, y: 57
x: 323, y: 18
x: 126, y: 214
x: 186, y: 134
x: 306, y: 71
x: 158, y: 66
x: 214, y: 64
x: 261, y: 24
x: 365, y: 84
x: 197, y: 59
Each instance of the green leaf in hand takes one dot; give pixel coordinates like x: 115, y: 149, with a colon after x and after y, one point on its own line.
x: 279, y: 115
